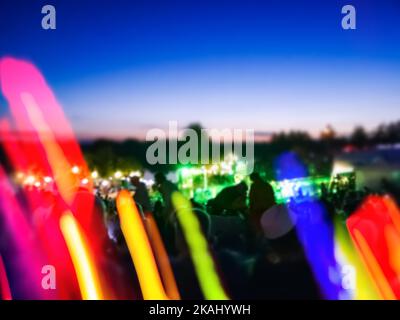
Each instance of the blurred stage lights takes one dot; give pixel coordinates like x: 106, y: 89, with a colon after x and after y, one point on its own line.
x: 75, y: 169
x: 95, y: 174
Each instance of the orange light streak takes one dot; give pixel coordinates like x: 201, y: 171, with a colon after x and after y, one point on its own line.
x: 162, y: 258
x: 138, y: 244
x: 82, y: 260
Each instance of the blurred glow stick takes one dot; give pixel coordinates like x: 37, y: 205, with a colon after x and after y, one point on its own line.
x: 365, y: 288
x: 162, y: 258
x: 25, y: 252
x: 374, y: 228
x: 5, y: 292
x: 66, y: 181
x: 392, y: 234
x: 393, y: 210
x: 313, y: 227
x: 204, y: 265
x: 20, y: 77
x: 374, y: 267
x: 393, y: 244
x: 138, y: 244
x: 86, y: 272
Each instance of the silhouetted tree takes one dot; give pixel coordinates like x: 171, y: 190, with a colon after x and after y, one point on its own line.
x: 359, y: 137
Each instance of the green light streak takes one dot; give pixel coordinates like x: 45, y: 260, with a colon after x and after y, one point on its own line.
x: 204, y: 265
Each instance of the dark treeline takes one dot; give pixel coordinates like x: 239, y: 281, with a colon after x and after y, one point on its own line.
x: 106, y: 156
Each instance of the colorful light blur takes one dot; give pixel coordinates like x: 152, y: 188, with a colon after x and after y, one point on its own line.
x: 161, y: 257
x: 198, y: 182
x: 21, y: 243
x: 42, y: 150
x: 204, y: 265
x: 82, y: 258
x: 5, y: 292
x: 348, y: 256
x: 314, y: 229
x: 138, y: 244
x: 56, y: 223
x: 375, y: 231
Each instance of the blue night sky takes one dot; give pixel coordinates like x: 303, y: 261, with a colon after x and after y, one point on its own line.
x: 120, y: 68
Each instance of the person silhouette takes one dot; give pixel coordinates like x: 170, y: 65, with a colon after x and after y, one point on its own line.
x: 261, y: 198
